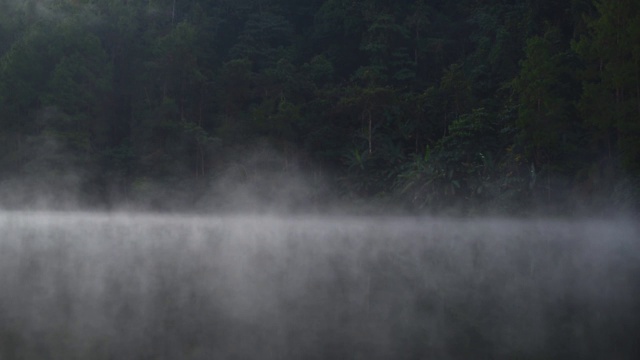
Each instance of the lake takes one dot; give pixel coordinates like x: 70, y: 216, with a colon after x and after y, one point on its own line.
x: 145, y: 286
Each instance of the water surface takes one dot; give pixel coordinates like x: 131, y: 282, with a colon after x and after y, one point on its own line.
x: 144, y: 286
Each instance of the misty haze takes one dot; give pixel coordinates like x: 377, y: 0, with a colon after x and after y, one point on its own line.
x: 319, y: 179
x: 135, y: 286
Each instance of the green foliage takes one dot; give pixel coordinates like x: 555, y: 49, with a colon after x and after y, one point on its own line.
x: 319, y: 70
x: 81, y: 79
x: 610, y: 103
x: 437, y: 103
x: 24, y: 70
x: 545, y: 105
x: 263, y: 39
x: 461, y: 165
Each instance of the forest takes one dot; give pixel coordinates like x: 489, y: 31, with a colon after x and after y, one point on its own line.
x: 484, y: 105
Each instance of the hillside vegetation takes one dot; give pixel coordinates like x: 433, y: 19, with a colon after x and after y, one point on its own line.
x: 501, y: 105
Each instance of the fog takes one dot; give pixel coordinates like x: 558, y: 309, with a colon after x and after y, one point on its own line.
x: 92, y: 285
x: 261, y: 257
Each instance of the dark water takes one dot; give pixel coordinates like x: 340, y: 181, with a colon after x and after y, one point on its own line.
x: 127, y: 286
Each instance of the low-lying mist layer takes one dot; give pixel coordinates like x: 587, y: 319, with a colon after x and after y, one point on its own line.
x: 134, y: 286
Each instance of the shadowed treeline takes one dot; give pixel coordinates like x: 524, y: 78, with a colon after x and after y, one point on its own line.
x: 493, y: 105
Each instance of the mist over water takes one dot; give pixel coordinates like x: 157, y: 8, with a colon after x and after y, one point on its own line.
x: 144, y: 286
x: 185, y: 108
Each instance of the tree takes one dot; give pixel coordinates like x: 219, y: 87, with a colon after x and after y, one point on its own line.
x: 610, y: 102
x: 385, y: 42
x: 545, y: 108
x: 263, y: 40
x: 499, y: 36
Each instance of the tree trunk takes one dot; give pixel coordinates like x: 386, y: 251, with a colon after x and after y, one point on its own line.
x: 370, y: 132
x: 173, y: 13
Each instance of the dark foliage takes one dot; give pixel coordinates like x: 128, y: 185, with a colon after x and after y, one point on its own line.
x: 489, y: 104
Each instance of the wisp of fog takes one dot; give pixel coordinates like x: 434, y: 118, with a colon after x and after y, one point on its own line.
x: 143, y: 286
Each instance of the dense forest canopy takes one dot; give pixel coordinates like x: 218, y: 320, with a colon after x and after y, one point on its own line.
x: 488, y: 104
